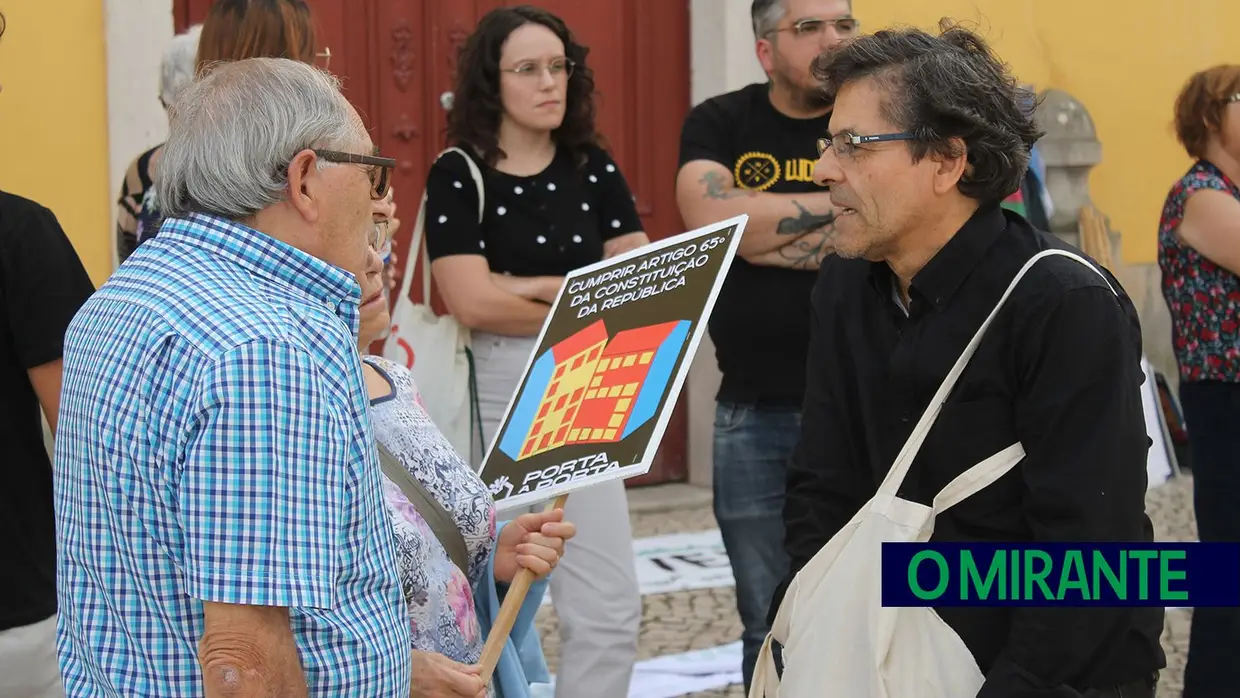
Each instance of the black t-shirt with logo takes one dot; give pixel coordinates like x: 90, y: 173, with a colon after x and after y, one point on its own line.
x: 42, y: 286
x: 760, y: 325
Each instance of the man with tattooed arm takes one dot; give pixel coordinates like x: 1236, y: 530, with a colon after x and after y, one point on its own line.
x: 752, y: 151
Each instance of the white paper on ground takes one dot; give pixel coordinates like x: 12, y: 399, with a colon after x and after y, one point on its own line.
x: 676, y: 674
x: 680, y: 562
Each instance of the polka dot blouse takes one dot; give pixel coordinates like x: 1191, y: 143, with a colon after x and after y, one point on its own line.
x: 546, y: 224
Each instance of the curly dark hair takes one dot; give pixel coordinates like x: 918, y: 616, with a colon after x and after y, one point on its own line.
x: 476, y: 111
x: 945, y: 87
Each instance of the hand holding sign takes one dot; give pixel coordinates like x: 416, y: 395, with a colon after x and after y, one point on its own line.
x: 534, y: 542
x: 436, y: 676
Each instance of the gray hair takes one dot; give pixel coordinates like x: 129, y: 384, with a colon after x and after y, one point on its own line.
x: 235, y: 130
x: 766, y: 15
x: 176, y: 69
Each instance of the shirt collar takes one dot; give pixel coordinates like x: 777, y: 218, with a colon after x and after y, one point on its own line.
x: 266, y: 256
x: 938, y: 281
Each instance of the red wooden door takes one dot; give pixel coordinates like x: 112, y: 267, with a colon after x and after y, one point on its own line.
x: 396, y: 59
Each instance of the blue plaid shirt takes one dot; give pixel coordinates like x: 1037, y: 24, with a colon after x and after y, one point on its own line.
x: 214, y: 445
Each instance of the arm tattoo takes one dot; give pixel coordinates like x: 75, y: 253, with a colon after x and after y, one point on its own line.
x: 806, y: 252
x: 806, y: 222
x: 717, y: 187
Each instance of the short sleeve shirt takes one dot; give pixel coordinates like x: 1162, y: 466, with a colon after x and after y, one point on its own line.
x: 214, y: 445
x: 42, y: 285
x: 1204, y: 298
x: 760, y: 325
x: 547, y: 224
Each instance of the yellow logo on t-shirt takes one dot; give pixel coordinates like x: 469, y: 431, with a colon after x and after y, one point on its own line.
x: 761, y: 171
x: 799, y: 170
x: 756, y: 171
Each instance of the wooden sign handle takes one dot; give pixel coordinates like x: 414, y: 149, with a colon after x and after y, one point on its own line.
x: 513, y: 600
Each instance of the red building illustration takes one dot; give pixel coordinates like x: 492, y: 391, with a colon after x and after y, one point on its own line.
x: 593, y: 386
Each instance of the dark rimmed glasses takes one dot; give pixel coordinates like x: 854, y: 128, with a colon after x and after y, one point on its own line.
x: 845, y: 144
x: 379, y: 169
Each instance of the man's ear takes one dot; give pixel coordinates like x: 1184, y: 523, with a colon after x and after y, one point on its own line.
x: 305, y: 184
x: 765, y: 51
x: 950, y: 166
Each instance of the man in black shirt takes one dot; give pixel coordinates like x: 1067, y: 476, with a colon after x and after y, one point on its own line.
x: 752, y: 151
x: 42, y: 285
x: 927, y: 137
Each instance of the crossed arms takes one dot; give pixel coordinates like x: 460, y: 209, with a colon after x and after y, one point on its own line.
x: 784, y: 230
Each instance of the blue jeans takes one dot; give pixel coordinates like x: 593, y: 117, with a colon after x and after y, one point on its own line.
x: 752, y: 448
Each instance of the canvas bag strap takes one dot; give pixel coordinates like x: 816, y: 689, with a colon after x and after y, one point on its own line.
x: 432, y: 511
x: 420, y: 228
x: 475, y: 407
x: 899, y: 469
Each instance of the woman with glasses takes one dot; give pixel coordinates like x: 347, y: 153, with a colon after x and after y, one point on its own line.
x: 1199, y: 254
x: 555, y: 201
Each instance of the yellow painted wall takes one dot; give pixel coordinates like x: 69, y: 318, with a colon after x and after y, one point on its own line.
x: 1125, y: 61
x: 53, y: 119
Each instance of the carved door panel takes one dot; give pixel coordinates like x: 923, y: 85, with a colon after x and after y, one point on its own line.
x: 396, y: 59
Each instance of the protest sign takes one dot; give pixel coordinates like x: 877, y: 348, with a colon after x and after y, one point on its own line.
x: 608, y: 367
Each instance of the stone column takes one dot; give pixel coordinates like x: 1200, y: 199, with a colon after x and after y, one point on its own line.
x: 1071, y: 149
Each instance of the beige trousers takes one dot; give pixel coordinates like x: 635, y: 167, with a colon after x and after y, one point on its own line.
x: 28, y: 665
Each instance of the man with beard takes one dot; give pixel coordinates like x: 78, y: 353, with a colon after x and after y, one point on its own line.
x: 752, y: 151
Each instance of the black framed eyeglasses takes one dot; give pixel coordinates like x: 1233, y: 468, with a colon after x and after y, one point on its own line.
x: 845, y: 144
x: 379, y: 169
x: 813, y: 26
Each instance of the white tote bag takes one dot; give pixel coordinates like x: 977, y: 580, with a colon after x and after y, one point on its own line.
x: 435, y: 348
x: 837, y: 638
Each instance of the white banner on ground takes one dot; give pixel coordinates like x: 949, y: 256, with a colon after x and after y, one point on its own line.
x: 675, y: 675
x: 680, y: 562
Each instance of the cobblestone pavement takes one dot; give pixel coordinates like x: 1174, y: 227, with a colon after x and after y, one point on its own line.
x: 689, y: 620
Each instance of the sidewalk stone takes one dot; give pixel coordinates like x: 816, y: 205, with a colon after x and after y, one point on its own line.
x: 689, y: 620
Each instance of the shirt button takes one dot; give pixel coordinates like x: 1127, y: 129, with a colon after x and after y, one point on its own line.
x: 905, y: 417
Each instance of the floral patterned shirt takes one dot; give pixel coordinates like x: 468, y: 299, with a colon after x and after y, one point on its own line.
x: 1204, y: 298
x: 439, y: 594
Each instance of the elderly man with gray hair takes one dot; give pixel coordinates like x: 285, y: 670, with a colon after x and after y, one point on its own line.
x: 218, y: 499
